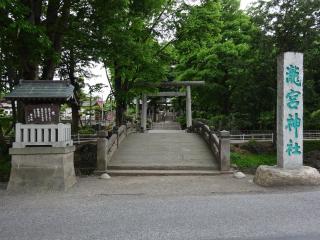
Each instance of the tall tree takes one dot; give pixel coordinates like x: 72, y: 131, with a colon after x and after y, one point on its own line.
x: 128, y: 47
x: 78, y: 53
x: 293, y: 25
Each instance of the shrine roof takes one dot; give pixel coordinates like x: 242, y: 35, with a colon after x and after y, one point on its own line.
x: 42, y: 90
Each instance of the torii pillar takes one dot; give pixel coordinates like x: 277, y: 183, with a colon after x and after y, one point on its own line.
x: 187, y: 94
x: 144, y: 112
x: 188, y: 107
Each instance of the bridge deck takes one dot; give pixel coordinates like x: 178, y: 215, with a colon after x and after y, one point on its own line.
x: 163, y: 149
x: 166, y: 125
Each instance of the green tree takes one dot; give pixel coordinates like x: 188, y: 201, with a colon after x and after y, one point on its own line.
x: 78, y: 54
x: 213, y: 44
x: 126, y: 31
x: 290, y: 25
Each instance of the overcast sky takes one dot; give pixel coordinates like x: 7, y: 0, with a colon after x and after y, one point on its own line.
x: 100, y: 74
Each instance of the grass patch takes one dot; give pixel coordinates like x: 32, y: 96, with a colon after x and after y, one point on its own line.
x: 309, y: 146
x: 250, y: 161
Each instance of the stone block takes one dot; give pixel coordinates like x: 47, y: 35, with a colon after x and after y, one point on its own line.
x: 42, y: 169
x: 270, y: 176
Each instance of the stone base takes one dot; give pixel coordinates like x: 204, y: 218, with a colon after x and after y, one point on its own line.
x: 270, y: 176
x: 42, y: 169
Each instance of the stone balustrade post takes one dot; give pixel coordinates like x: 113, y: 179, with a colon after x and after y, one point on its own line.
x: 102, y: 151
x: 224, y: 150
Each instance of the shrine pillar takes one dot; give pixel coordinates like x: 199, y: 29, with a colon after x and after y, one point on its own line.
x: 289, y: 169
x: 144, y: 112
x: 188, y: 107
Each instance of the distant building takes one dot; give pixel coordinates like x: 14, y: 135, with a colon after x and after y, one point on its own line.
x: 6, y: 108
x: 66, y: 114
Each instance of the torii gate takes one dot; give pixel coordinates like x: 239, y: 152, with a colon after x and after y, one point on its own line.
x: 186, y: 94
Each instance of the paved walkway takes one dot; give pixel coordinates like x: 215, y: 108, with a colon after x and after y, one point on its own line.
x: 176, y: 150
x: 175, y: 208
x: 167, y: 125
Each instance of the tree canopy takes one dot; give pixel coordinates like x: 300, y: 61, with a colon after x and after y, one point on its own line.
x: 138, y: 41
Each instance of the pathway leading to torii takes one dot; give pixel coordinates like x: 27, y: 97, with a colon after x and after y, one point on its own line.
x: 165, y: 150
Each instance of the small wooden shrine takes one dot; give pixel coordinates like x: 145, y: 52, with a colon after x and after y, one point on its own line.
x: 43, y: 153
x: 41, y: 101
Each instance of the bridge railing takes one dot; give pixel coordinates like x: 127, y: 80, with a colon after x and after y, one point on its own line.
x: 107, y: 147
x: 219, y: 143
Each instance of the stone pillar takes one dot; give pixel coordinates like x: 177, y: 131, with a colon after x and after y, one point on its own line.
x: 290, y: 110
x: 224, y: 149
x: 188, y: 107
x: 102, y: 152
x: 144, y: 113
x: 290, y: 169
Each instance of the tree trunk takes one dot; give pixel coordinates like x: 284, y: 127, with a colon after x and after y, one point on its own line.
x: 29, y: 65
x: 120, y: 96
x: 75, y: 118
x: 56, y: 27
x: 75, y: 105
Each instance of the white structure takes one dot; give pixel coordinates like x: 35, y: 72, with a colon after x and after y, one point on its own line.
x: 55, y: 135
x: 290, y: 110
x: 66, y: 114
x: 7, y: 108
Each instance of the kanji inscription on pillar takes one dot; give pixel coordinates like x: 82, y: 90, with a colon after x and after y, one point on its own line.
x: 290, y: 110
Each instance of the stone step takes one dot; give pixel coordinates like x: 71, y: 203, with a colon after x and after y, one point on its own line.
x: 166, y: 172
x: 164, y: 167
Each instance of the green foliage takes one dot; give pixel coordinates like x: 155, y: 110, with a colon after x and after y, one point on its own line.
x: 258, y: 148
x: 127, y: 45
x: 86, y: 130
x: 214, y: 44
x: 309, y: 146
x: 232, y: 50
x: 5, y: 125
x: 182, y: 121
x: 235, y: 53
x: 252, y: 161
x: 261, y: 154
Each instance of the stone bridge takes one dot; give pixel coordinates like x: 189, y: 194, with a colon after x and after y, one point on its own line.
x: 164, y: 150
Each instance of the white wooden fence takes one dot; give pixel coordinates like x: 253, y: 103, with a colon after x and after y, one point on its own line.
x: 269, y: 137
x: 55, y: 135
x: 258, y: 137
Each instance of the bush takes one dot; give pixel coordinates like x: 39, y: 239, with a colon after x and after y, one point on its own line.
x: 309, y: 146
x: 5, y: 123
x: 182, y: 121
x: 249, y: 162
x: 87, y: 130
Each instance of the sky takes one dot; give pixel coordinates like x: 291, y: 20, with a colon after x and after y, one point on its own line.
x: 245, y: 3
x: 100, y: 73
